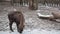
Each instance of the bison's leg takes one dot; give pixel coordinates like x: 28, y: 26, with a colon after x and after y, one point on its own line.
x: 17, y: 27
x: 10, y: 24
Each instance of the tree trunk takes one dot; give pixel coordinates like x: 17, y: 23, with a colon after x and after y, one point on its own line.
x: 33, y: 4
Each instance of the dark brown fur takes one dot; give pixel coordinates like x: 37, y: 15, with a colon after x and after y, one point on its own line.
x: 18, y: 18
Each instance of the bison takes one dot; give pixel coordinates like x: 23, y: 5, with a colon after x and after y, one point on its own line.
x: 56, y: 15
x: 18, y: 18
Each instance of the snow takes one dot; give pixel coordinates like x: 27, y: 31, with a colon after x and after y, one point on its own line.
x: 34, y: 31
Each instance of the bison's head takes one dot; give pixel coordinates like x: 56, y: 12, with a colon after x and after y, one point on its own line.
x: 20, y: 28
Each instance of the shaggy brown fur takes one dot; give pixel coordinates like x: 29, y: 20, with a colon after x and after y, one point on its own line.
x: 56, y: 15
x: 18, y: 18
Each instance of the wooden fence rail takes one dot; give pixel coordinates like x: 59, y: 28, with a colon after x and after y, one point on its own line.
x: 50, y: 2
x: 44, y: 2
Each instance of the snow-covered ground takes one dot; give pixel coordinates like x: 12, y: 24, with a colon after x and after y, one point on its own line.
x: 34, y: 31
x: 33, y: 25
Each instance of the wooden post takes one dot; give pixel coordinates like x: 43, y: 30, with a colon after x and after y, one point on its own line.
x: 21, y: 2
x: 33, y: 4
x: 12, y: 3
